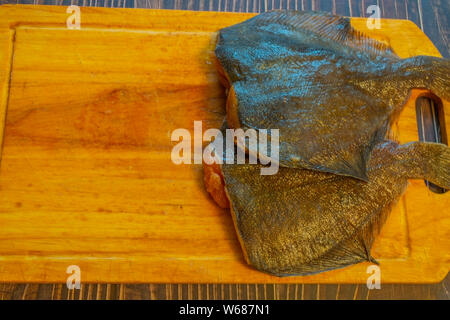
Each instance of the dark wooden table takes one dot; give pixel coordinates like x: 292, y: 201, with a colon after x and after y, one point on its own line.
x: 432, y: 16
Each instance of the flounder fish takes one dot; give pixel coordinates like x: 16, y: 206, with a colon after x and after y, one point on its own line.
x: 300, y: 222
x: 331, y: 91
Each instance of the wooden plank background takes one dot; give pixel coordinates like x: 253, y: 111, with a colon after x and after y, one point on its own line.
x: 432, y: 16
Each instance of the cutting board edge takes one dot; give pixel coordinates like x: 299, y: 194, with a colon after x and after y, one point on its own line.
x: 298, y: 279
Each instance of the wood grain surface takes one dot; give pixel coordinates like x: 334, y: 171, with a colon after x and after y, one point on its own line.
x: 121, y: 291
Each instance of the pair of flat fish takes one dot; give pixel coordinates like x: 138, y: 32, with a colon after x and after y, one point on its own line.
x: 333, y: 94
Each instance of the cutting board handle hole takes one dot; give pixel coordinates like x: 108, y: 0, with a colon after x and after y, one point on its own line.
x: 431, y: 125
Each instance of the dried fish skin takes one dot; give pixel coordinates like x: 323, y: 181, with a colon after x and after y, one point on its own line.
x: 331, y: 91
x: 301, y: 222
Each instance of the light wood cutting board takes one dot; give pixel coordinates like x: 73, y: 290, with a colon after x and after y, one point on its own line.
x: 86, y: 177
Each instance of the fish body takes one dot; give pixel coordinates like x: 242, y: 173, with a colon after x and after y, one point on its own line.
x: 331, y: 91
x: 301, y: 222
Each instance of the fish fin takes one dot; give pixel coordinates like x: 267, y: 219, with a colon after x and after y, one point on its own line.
x: 373, y: 260
x: 355, y: 164
x: 360, y: 164
x: 391, y: 135
x: 372, y: 228
x: 440, y: 168
x: 357, y: 168
x: 328, y: 26
x: 367, y: 248
x: 354, y: 249
x: 345, y: 254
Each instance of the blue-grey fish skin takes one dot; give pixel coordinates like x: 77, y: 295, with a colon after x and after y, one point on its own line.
x: 331, y: 91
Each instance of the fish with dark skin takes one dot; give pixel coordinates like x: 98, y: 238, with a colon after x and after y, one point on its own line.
x: 331, y: 91
x: 301, y: 222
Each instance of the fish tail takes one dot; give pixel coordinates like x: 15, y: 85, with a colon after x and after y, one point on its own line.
x: 432, y: 73
x: 429, y: 161
x: 438, y: 167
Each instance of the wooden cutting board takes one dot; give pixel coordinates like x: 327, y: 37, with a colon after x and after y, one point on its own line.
x: 86, y: 176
